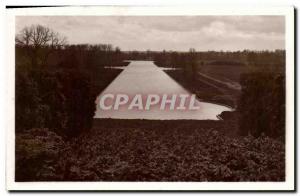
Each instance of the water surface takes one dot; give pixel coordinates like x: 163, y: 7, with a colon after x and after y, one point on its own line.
x: 144, y: 77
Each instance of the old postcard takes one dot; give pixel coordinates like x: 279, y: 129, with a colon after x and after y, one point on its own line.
x: 150, y: 98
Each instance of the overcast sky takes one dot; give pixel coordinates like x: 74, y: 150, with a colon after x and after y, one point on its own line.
x: 168, y: 32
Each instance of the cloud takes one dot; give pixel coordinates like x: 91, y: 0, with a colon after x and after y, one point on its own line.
x: 168, y: 32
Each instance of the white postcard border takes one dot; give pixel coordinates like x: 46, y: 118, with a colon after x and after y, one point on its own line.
x: 288, y: 12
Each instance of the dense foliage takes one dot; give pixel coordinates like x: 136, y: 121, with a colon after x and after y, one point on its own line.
x: 177, y: 151
x: 54, y: 100
x: 140, y: 150
x: 37, y: 153
x: 262, y: 104
x: 57, y: 83
x: 55, y: 91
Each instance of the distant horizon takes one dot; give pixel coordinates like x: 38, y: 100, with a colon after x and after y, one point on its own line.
x: 269, y: 50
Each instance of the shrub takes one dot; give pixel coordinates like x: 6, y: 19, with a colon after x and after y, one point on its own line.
x: 80, y: 102
x: 55, y: 100
x: 37, y: 152
x: 262, y: 104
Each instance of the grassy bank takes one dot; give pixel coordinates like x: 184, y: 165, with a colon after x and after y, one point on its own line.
x: 205, y: 90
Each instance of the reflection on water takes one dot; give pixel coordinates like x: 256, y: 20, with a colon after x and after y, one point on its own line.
x: 144, y: 77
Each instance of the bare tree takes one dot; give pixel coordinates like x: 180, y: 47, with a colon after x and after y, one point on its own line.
x: 39, y: 42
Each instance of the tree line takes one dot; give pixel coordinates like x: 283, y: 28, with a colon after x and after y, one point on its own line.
x: 57, y: 83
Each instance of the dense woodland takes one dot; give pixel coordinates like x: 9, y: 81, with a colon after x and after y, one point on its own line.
x: 57, y: 84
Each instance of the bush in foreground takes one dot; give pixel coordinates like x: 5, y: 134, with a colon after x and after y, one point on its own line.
x: 37, y: 153
x: 172, y: 153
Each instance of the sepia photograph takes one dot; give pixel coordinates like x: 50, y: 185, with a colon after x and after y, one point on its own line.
x: 120, y: 95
